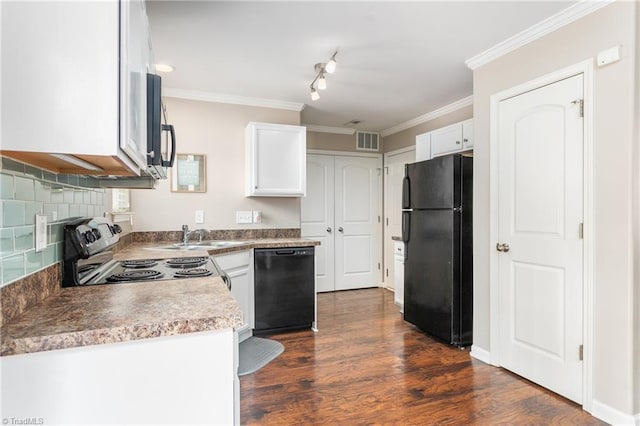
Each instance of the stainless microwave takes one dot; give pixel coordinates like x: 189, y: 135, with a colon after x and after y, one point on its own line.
x: 158, y: 158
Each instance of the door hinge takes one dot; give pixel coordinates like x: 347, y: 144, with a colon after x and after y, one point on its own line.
x: 581, y: 352
x: 386, y: 169
x: 581, y: 231
x: 387, y: 272
x: 579, y: 102
x: 378, y: 266
x: 379, y: 171
x: 387, y: 221
x: 379, y: 219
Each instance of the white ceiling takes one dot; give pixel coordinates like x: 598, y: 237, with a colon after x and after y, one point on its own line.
x: 396, y: 60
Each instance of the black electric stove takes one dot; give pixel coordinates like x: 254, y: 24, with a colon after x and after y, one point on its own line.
x: 88, y: 260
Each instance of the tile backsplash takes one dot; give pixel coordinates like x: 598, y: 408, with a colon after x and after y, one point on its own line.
x: 27, y: 190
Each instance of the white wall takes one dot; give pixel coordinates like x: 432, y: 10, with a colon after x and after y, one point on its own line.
x: 613, y: 351
x: 216, y: 130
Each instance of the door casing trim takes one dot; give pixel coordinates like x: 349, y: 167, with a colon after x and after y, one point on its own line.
x: 586, y: 69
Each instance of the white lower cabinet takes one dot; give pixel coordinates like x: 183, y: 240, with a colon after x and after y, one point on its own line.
x: 398, y: 273
x: 182, y: 379
x: 237, y: 267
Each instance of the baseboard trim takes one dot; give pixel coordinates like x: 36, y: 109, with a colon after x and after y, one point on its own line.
x: 613, y: 416
x: 480, y: 354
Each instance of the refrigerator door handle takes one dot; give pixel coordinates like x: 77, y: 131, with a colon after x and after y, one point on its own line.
x: 406, y: 229
x: 406, y: 193
x: 405, y: 226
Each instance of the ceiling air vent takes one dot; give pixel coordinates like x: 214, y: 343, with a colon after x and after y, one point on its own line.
x: 367, y: 141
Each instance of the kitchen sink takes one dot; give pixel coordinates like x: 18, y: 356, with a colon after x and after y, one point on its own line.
x: 202, y: 245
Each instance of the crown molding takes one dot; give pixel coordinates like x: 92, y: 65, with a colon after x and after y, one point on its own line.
x: 428, y: 116
x: 542, y: 28
x: 196, y: 95
x: 327, y: 129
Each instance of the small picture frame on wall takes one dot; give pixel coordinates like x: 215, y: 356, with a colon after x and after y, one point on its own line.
x: 189, y: 173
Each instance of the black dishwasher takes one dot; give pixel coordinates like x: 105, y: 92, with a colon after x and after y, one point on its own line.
x: 284, y: 289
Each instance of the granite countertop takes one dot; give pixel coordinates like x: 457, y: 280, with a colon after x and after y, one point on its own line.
x: 146, y: 250
x: 100, y: 314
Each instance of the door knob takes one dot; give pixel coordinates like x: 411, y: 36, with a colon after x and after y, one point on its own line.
x: 329, y: 229
x: 502, y: 247
x: 340, y: 229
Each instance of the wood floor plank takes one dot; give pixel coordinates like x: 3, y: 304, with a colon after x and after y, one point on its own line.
x: 368, y: 366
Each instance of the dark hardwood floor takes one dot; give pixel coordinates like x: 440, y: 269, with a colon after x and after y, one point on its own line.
x: 367, y: 366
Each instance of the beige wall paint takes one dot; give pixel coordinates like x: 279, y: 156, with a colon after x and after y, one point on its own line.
x: 331, y: 141
x: 407, y: 137
x: 613, y: 350
x: 216, y: 130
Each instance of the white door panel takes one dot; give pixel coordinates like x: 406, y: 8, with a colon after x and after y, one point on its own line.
x: 317, y: 214
x: 394, y: 165
x: 540, y: 209
x: 357, y: 198
x: 343, y: 193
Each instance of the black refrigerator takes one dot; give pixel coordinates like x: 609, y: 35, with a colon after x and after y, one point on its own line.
x: 437, y: 232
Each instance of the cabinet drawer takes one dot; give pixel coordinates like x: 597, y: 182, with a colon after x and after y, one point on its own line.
x: 233, y: 260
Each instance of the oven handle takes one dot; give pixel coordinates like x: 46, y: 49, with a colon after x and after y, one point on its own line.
x: 227, y: 279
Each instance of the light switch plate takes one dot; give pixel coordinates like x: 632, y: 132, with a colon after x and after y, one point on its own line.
x: 41, y: 232
x: 244, y: 216
x: 199, y: 216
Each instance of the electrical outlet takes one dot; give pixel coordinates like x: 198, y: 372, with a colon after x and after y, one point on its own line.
x: 199, y: 216
x: 244, y: 217
x: 41, y: 232
x: 257, y: 216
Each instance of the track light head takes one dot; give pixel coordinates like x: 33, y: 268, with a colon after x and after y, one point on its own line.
x: 331, y: 65
x: 322, y: 82
x: 314, y: 94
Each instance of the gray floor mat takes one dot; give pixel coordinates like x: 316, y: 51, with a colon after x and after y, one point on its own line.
x: 256, y: 352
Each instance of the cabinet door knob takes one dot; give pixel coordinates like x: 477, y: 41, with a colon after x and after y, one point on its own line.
x: 329, y: 229
x: 465, y: 140
x: 457, y: 142
x: 340, y: 229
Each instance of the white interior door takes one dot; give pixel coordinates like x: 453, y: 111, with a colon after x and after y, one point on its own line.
x: 394, y: 166
x: 540, y: 163
x: 358, y: 253
x: 317, y: 216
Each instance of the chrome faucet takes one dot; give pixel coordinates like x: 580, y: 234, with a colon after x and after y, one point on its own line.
x: 186, y: 233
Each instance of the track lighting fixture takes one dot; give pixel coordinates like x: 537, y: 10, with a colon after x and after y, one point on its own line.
x: 322, y: 69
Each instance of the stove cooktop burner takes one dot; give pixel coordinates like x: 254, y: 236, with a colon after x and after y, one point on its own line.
x: 192, y: 273
x: 137, y: 264
x: 135, y: 275
x: 187, y: 262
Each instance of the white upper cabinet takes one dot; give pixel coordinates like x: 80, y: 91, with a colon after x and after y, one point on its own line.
x: 423, y: 147
x: 446, y: 140
x: 467, y: 134
x: 74, y: 82
x: 275, y: 160
x: 451, y: 139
